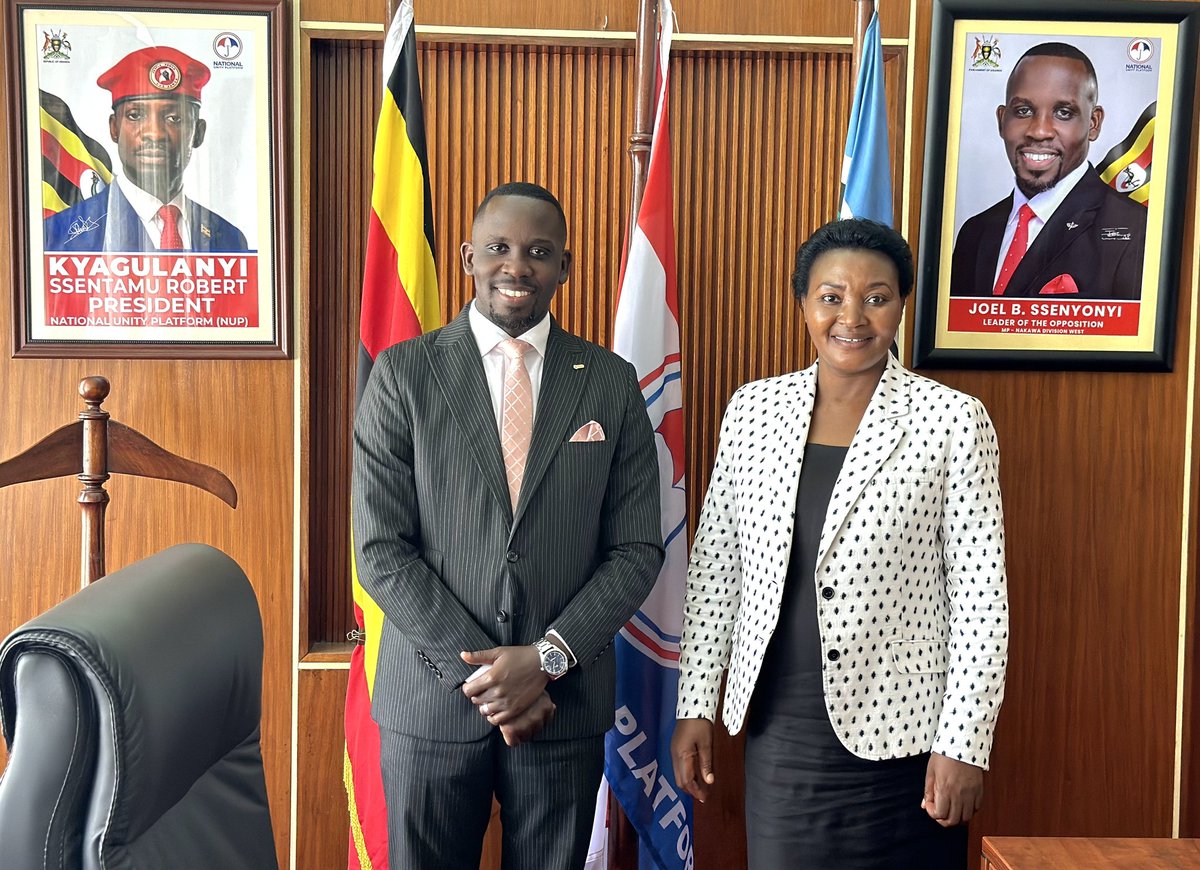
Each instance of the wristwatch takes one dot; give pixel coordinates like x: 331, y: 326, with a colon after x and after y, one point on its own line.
x: 554, y: 660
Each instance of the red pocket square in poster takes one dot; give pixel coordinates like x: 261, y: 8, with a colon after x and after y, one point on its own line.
x: 1063, y: 284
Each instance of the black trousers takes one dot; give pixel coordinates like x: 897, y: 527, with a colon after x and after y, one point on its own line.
x: 439, y: 800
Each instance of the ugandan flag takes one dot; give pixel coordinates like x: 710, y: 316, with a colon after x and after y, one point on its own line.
x: 1126, y: 167
x: 74, y: 166
x: 399, y: 301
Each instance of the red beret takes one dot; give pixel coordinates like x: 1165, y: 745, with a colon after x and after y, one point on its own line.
x: 150, y: 73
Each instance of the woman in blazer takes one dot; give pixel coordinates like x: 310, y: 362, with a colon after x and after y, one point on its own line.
x: 848, y: 571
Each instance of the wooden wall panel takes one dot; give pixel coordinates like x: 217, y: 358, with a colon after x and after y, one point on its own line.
x: 828, y: 18
x: 1092, y: 470
x: 344, y: 104
x: 323, y: 827
x: 235, y: 415
x: 198, y: 410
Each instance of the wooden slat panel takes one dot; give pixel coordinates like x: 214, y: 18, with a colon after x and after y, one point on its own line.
x: 547, y: 114
x: 477, y: 103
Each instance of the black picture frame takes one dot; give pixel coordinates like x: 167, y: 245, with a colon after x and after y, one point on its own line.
x: 223, y: 290
x: 1070, y: 330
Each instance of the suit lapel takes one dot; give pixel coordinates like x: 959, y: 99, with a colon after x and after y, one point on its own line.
x: 458, y: 372
x: 1071, y: 221
x: 123, y: 229
x: 874, y: 442
x: 795, y: 412
x: 562, y: 387
x: 990, y: 240
x: 202, y: 231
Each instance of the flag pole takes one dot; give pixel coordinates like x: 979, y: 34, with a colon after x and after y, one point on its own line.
x: 863, y: 10
x: 622, y: 838
x: 643, y: 107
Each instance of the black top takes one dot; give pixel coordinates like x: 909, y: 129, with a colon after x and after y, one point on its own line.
x: 795, y: 647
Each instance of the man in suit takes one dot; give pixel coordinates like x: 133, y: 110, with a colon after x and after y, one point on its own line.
x: 1062, y: 232
x: 155, y: 124
x: 506, y: 518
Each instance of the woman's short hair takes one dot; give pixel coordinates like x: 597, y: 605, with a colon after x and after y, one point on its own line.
x: 853, y: 234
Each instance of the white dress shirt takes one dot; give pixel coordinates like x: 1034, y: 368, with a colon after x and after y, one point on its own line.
x: 489, y: 336
x: 495, y: 365
x: 1043, y: 204
x: 147, y: 205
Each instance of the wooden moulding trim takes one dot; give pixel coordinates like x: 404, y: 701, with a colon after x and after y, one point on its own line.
x: 327, y: 656
x: 1184, y: 683
x: 301, y: 413
x: 910, y: 232
x: 447, y: 33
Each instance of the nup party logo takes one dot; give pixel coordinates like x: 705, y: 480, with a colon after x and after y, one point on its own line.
x: 227, y: 45
x: 1140, y: 50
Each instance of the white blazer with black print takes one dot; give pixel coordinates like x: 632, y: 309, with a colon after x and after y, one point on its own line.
x: 912, y: 602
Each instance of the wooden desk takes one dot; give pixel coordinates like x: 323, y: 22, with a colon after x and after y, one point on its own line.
x: 1087, y: 853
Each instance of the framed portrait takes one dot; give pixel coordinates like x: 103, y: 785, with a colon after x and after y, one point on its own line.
x: 149, y: 203
x: 1055, y: 183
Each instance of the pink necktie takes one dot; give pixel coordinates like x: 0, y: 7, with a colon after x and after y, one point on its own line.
x: 516, y: 416
x: 1016, y: 250
x: 171, y: 240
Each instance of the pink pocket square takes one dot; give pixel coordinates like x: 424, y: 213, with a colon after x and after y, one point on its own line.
x: 592, y: 431
x: 1063, y: 284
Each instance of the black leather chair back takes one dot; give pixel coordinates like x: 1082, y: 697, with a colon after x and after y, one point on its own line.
x: 131, y: 713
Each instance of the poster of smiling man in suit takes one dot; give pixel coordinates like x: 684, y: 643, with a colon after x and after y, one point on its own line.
x: 1050, y: 234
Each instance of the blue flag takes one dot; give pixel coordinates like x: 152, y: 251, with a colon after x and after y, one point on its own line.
x: 866, y: 172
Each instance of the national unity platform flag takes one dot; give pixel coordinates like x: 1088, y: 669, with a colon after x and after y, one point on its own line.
x: 399, y: 301
x: 866, y: 170
x: 637, y: 763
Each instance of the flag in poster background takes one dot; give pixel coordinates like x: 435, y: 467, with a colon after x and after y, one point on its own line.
x: 1126, y: 167
x: 74, y: 166
x: 399, y: 301
x: 637, y: 762
x: 866, y: 170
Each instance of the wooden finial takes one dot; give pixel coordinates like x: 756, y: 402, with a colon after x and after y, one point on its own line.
x: 94, y: 389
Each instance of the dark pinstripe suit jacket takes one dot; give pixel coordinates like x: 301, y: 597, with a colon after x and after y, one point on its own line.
x: 441, y: 552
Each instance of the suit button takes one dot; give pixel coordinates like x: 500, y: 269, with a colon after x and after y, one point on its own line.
x: 834, y: 655
x: 512, y: 556
x: 501, y: 616
x: 827, y: 592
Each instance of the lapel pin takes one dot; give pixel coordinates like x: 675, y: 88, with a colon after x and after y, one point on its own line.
x: 1071, y: 225
x: 577, y: 366
x: 205, y: 231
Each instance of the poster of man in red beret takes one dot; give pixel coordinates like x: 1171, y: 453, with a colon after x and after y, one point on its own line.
x: 149, y: 177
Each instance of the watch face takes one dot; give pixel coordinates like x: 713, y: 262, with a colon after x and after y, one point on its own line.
x: 555, y: 662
